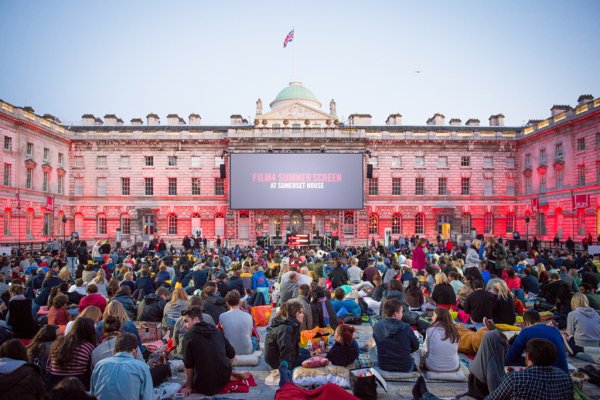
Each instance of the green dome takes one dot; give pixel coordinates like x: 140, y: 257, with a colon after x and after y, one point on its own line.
x: 295, y: 91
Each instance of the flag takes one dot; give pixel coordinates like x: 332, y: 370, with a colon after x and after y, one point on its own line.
x: 288, y: 38
x: 18, y: 197
x: 581, y: 201
x: 49, y: 203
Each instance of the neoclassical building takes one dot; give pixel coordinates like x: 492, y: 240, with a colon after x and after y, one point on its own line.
x: 108, y: 179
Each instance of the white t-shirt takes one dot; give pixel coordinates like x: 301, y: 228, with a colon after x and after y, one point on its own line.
x: 442, y: 354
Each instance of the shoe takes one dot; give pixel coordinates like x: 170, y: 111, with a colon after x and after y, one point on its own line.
x: 273, y: 378
x: 489, y: 323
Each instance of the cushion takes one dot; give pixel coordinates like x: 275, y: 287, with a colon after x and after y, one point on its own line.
x: 398, y: 376
x: 315, y: 362
x: 458, y: 376
x: 320, y: 376
x: 249, y: 360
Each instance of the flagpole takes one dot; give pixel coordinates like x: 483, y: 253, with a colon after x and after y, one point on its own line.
x: 294, y: 55
x: 18, y: 223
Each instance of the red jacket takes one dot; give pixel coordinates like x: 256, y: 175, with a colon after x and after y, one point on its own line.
x: 418, y: 258
x: 94, y: 299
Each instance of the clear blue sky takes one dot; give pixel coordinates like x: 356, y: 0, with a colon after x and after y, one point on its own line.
x: 216, y: 58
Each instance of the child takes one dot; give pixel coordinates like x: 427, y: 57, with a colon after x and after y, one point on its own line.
x: 345, y: 349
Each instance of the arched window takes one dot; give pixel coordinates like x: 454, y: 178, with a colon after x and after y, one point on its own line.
x: 488, y: 224
x: 172, y: 224
x: 101, y: 224
x: 349, y: 223
x: 510, y: 223
x: 465, y: 224
x: 419, y: 224
x: 396, y: 224
x: 373, y: 224
x: 125, y: 224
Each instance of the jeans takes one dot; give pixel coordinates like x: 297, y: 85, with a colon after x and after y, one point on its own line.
x: 429, y: 396
x: 519, y: 294
x: 72, y: 263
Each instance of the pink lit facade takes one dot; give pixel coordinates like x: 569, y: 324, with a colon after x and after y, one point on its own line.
x: 145, y: 178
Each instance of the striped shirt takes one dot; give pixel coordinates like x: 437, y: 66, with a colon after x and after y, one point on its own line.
x: 79, y: 364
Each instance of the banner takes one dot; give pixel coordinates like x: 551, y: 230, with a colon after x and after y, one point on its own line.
x: 581, y: 201
x: 49, y: 203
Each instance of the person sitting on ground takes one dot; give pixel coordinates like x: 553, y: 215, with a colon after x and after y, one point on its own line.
x: 92, y: 299
x: 39, y: 348
x: 323, y: 313
x: 557, y: 293
x: 121, y: 376
x: 345, y: 307
x: 345, y: 349
x: 283, y: 337
x: 529, y: 283
x: 214, y: 304
x: 237, y: 325
x: 583, y: 323
x: 123, y: 296
x: 151, y: 309
x: 456, y: 281
x: 304, y: 299
x: 289, y: 289
x: 591, y: 294
x: 69, y: 388
x: 414, y: 295
x: 354, y: 272
x: 480, y: 303
x: 443, y: 293
x: 19, y: 379
x: 395, y: 339
x: 111, y: 328
x: 442, y: 340
x: 173, y: 309
x: 57, y: 314
x: 116, y: 309
x: 203, y: 342
x: 19, y: 316
x: 379, y: 289
x: 535, y: 329
x: 179, y: 330
x: 504, y: 305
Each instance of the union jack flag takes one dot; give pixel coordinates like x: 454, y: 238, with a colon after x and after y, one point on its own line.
x: 288, y: 38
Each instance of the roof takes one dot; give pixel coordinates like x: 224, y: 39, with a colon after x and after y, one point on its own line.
x: 295, y: 91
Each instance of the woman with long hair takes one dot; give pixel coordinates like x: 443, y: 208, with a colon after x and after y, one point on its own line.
x: 504, y: 309
x: 38, y: 349
x: 65, y: 274
x: 69, y: 388
x: 442, y: 343
x: 323, y: 313
x: 443, y: 292
x: 583, y: 323
x: 71, y: 355
x: 173, y: 309
x: 115, y: 309
x: 101, y: 282
x: 414, y: 295
x: 91, y: 312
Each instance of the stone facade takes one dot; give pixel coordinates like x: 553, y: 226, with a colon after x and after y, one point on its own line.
x: 155, y: 178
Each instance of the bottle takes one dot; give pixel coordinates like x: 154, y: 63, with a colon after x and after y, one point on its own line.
x: 309, y: 346
x: 322, y: 344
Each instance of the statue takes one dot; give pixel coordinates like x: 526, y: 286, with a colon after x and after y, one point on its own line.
x: 258, y: 107
x: 332, y: 107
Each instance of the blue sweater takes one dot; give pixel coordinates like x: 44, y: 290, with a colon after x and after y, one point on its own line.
x: 539, y: 331
x: 350, y: 305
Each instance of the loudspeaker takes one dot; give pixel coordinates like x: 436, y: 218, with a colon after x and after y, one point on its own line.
x: 516, y: 235
x: 369, y: 171
x: 223, y: 174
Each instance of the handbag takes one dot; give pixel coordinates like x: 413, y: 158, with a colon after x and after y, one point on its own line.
x: 363, y: 382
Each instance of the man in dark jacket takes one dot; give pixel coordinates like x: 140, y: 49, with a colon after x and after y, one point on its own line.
x: 235, y: 282
x: 144, y: 283
x: 222, y: 286
x: 18, y: 378
x: 152, y: 307
x: 338, y: 276
x: 480, y: 303
x: 200, y: 277
x: 204, y: 342
x: 395, y: 339
x: 283, y: 337
x: 123, y: 296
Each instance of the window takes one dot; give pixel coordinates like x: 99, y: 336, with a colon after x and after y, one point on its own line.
x: 488, y: 187
x: 125, y: 186
x: 46, y: 182
x: 296, y: 128
x: 47, y: 228
x: 172, y: 186
x: 7, y: 218
x: 527, y: 162
x: 61, y: 159
x: 580, y: 175
x: 581, y: 222
x: 196, y: 161
x: 172, y: 161
x: 465, y: 224
x: 349, y: 224
x: 419, y: 186
x: 149, y: 161
x: 465, y: 161
x: 219, y: 186
x: 46, y: 154
x: 442, y: 162
x: 510, y: 223
x: 78, y: 186
x: 465, y: 186
x: 396, y: 162
x: 149, y: 186
x: 101, y: 161
x: 373, y: 186
x: 528, y: 185
x: 558, y: 151
x: 196, y: 186
x: 124, y: 162
x: 101, y: 186
x: 542, y: 156
x: 60, y: 182
x: 396, y: 186
x: 373, y: 222
x: 396, y: 224
x: 29, y: 179
x: 510, y: 187
x: 78, y: 161
x: 29, y: 225
x: 125, y: 225
x: 488, y: 224
x: 442, y: 186
x: 374, y: 160
x: 172, y: 224
x: 29, y: 149
x: 7, y: 174
x: 510, y: 162
x: 101, y: 224
x: 580, y: 144
x: 419, y: 162
x: 541, y: 224
x: 597, y: 139
x: 543, y: 183
x: 7, y: 143
x: 419, y: 224
x: 559, y: 178
x: 488, y: 162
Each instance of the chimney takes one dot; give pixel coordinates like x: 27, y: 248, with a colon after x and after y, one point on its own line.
x: 533, y: 122
x: 195, y: 119
x: 559, y: 108
x: 496, y: 120
x: 137, y: 121
x: 119, y: 122
x: 152, y: 119
x: 455, y: 122
x: 236, y: 119
x: 51, y: 118
x: 88, y: 119
x: 437, y: 119
x: 110, y: 119
x: 394, y: 119
x: 172, y: 119
x: 359, y: 119
x: 584, y: 99
x: 472, y: 122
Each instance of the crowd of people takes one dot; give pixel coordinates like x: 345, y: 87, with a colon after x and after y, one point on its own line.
x: 74, y: 321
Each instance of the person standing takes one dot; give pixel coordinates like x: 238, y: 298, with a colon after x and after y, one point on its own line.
x: 418, y: 255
